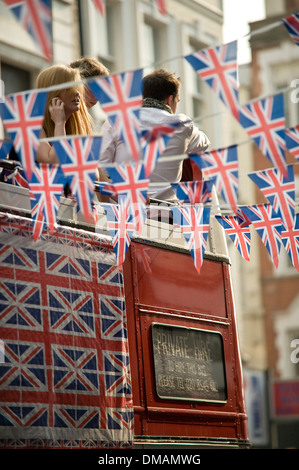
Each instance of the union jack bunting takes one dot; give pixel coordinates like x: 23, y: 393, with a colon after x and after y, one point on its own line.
x: 23, y: 116
x: 79, y: 159
x: 153, y: 143
x: 222, y: 167
x: 100, y: 5
x: 268, y: 226
x: 239, y: 235
x: 292, y: 140
x: 46, y: 187
x: 291, y: 23
x: 36, y: 18
x: 120, y: 96
x: 290, y: 239
x: 63, y: 323
x: 194, y: 223
x: 218, y: 67
x: 121, y: 227
x: 193, y: 192
x: 279, y: 190
x: 129, y: 182
x: 264, y: 122
x: 161, y: 6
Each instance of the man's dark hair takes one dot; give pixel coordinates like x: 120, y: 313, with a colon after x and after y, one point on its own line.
x: 160, y: 84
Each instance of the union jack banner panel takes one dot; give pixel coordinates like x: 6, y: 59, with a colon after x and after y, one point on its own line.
x: 65, y: 381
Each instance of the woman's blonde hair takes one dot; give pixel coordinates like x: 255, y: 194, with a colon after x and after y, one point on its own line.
x: 79, y: 123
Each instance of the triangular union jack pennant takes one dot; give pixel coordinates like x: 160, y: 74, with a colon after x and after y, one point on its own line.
x: 194, y: 223
x: 279, y: 190
x: 129, y: 182
x: 121, y: 227
x: 219, y: 68
x: 222, y: 167
x: 240, y: 236
x: 193, y: 192
x: 268, y: 226
x: 264, y: 122
x: 153, y: 143
x: 290, y: 239
x: 46, y: 187
x: 120, y: 96
x: 100, y: 5
x: 292, y: 140
x: 79, y: 159
x: 36, y: 18
x: 291, y: 22
x: 23, y: 116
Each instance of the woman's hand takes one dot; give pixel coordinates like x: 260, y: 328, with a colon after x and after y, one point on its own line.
x: 57, y: 111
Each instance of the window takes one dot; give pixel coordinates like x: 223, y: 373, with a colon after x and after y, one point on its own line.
x: 194, y: 83
x: 14, y: 78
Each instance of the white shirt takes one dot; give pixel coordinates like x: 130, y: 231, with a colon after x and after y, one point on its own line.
x: 187, y: 138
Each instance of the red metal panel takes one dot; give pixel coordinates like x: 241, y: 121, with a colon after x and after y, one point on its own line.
x: 172, y: 281
x: 163, y: 287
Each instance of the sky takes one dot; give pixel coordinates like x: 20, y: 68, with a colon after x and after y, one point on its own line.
x: 237, y: 15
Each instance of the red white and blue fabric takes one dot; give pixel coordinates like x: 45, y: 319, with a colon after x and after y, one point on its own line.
x: 121, y: 227
x: 120, y: 96
x: 219, y: 68
x: 194, y: 222
x: 129, y: 182
x: 5, y: 148
x: 36, y: 18
x: 79, y: 159
x: 290, y: 239
x: 100, y: 5
x: 23, y: 116
x: 46, y: 186
x: 66, y: 378
x: 193, y: 192
x: 264, y: 121
x: 268, y: 226
x: 291, y: 23
x: 222, y: 167
x: 292, y: 140
x: 153, y: 143
x: 279, y: 190
x: 239, y: 235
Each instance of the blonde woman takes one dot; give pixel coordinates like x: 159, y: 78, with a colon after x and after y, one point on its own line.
x: 66, y: 112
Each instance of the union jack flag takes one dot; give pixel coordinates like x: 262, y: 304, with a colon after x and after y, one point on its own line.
x: 240, y: 236
x: 23, y: 116
x: 290, y: 239
x: 46, y: 186
x: 292, y: 140
x: 264, y: 122
x: 291, y: 23
x: 36, y: 18
x: 120, y: 96
x: 79, y: 159
x: 222, y: 167
x: 268, y: 226
x: 279, y: 190
x: 129, y: 181
x: 121, y: 227
x: 153, y: 143
x: 218, y: 67
x: 194, y: 223
x: 63, y: 323
x: 193, y: 192
x: 100, y: 5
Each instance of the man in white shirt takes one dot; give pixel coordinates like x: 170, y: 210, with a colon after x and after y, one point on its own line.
x: 161, y: 95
